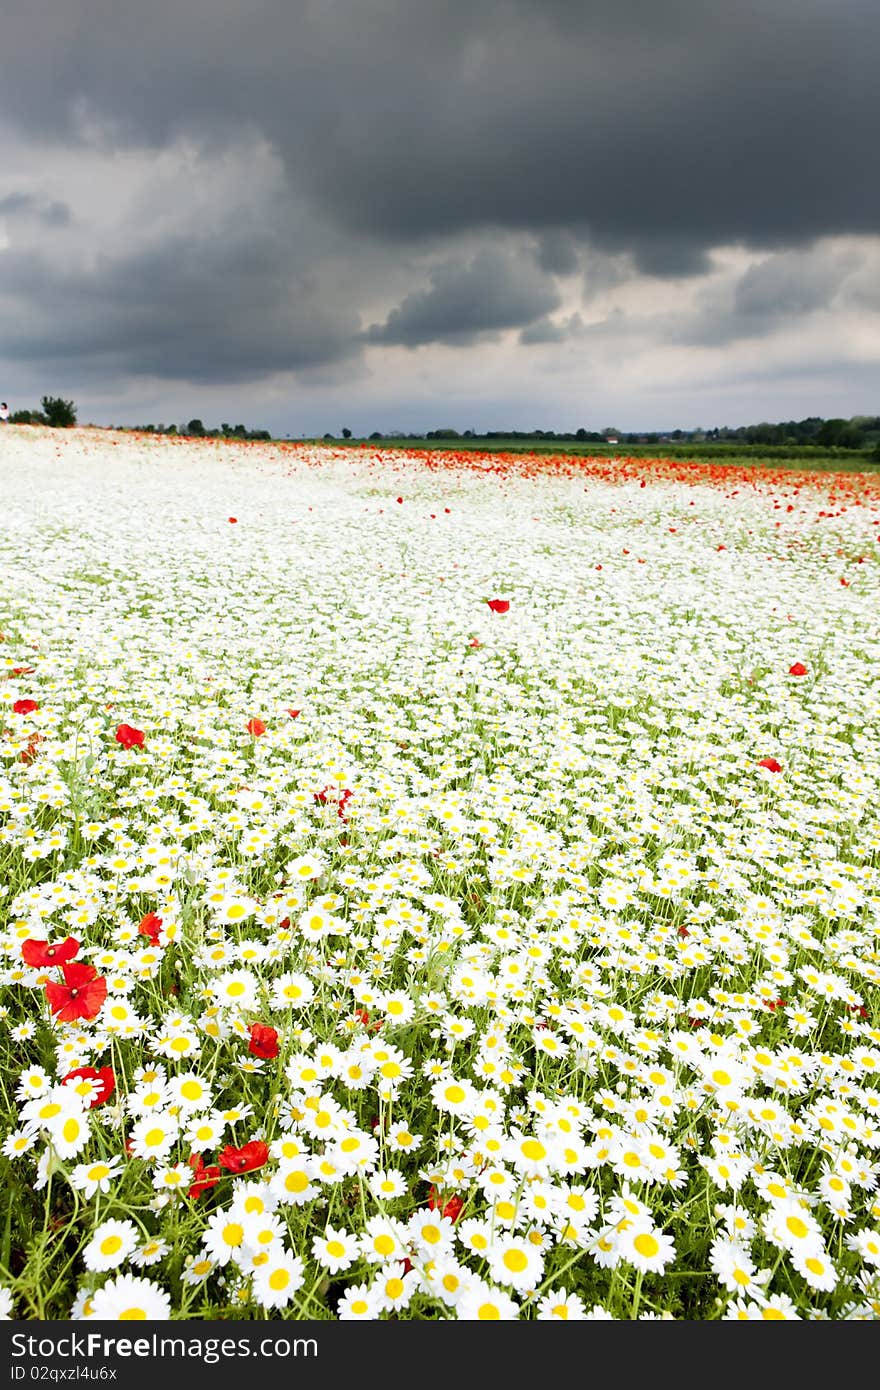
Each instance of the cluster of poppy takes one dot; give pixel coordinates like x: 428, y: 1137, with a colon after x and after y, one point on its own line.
x: 248, y: 1159
x: 83, y: 991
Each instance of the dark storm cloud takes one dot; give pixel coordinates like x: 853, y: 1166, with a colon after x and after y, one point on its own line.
x: 665, y: 126
x: 557, y: 253
x: 465, y: 301
x: 464, y: 158
x: 50, y: 212
x: 193, y: 309
x: 669, y: 257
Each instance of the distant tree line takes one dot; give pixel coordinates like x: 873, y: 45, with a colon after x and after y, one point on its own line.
x: 196, y: 429
x: 858, y: 432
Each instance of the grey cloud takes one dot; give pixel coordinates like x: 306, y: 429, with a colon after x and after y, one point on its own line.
x: 194, y: 309
x: 547, y: 330
x: 709, y: 131
x: 494, y: 291
x: 557, y: 253
x: 612, y: 139
x: 49, y: 211
x: 670, y: 257
x: 656, y: 126
x: 771, y: 294
x: 793, y: 283
x: 861, y: 291
x: 581, y: 246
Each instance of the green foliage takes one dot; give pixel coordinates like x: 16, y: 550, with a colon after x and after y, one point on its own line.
x: 59, y: 413
x: 840, y: 434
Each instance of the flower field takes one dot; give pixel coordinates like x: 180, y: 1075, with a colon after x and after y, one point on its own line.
x: 435, y: 887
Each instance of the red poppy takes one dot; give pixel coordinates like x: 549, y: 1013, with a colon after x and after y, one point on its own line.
x: 81, y: 995
x: 203, y: 1177
x: 255, y: 727
x: 798, y: 669
x: 771, y: 764
x: 25, y: 707
x: 475, y: 642
x: 246, y: 1159
x: 40, y: 953
x: 331, y: 795
x: 452, y: 1207
x: 498, y: 605
x: 129, y: 737
x: 150, y: 926
x: 364, y: 1018
x: 104, y: 1076
x: 264, y: 1041
x: 233, y: 520
x: 294, y: 713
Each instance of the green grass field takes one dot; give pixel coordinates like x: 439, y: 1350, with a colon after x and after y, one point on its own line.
x: 731, y: 455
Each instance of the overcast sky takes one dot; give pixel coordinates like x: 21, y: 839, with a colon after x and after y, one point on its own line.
x: 404, y: 214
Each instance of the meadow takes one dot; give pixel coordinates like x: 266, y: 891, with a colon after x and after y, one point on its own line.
x: 436, y: 886
x: 732, y: 454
